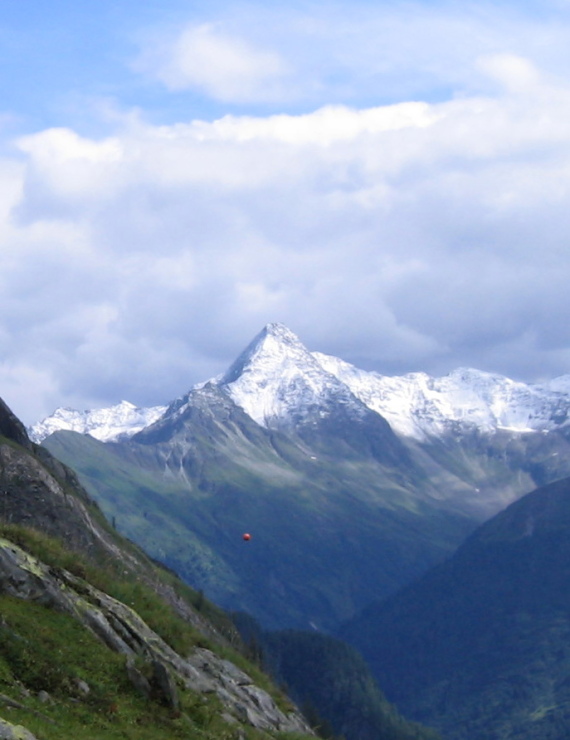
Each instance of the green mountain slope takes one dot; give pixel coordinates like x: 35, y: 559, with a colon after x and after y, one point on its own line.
x: 331, y: 677
x: 479, y: 646
x: 97, y: 642
x: 342, y: 512
x: 339, y: 512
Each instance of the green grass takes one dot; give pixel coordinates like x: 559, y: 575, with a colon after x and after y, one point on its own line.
x: 152, y: 608
x: 42, y: 650
x: 160, y: 617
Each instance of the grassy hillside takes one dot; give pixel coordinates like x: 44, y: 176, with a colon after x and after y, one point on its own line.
x: 59, y: 679
x: 98, y: 641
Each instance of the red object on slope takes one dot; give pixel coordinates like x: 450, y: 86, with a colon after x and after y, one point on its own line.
x: 247, y: 536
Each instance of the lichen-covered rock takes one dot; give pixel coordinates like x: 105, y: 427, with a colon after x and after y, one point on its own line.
x: 83, y: 687
x: 239, y: 693
x: 138, y: 679
x: 9, y: 731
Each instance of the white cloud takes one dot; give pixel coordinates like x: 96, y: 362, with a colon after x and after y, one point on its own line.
x: 405, y: 237
x: 516, y: 73
x: 324, y: 126
x: 227, y: 68
x: 356, y: 55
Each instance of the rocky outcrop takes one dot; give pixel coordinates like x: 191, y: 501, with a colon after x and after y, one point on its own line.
x: 38, y: 491
x: 123, y: 631
x: 33, y: 495
x: 9, y: 731
x: 12, y: 428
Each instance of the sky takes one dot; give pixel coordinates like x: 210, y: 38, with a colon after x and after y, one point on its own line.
x: 391, y: 180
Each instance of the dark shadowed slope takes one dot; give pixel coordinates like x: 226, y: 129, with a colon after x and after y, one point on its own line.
x: 331, y: 681
x: 480, y: 646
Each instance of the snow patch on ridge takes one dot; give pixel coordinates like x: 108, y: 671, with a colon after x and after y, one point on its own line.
x: 419, y: 406
x: 106, y: 425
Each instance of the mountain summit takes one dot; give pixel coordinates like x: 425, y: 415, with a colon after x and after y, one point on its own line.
x: 276, y: 380
x: 273, y: 348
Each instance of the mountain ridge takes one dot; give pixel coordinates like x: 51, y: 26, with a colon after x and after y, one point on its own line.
x: 333, y: 491
x: 276, y: 379
x: 107, y: 424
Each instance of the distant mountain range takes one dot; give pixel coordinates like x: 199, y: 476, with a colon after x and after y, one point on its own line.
x: 388, y: 511
x: 117, y: 422
x: 276, y: 381
x: 351, y: 483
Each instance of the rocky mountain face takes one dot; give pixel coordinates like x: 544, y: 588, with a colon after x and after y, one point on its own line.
x: 95, y: 638
x: 466, y: 400
x: 351, y: 483
x: 37, y: 490
x: 478, y: 647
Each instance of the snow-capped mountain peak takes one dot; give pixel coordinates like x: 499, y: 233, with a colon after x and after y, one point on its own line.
x: 108, y: 424
x: 277, y: 379
x: 273, y: 347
